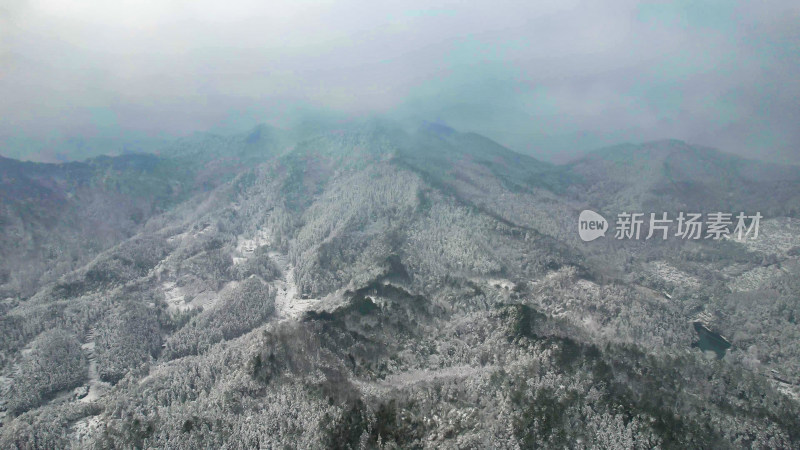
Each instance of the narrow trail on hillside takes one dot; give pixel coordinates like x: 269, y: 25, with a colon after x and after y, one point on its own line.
x: 288, y: 304
x: 97, y: 387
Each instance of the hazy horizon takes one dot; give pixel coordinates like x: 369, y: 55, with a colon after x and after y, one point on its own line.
x: 162, y: 144
x: 553, y: 80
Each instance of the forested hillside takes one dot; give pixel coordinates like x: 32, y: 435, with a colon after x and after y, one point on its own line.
x: 379, y: 287
x: 56, y: 217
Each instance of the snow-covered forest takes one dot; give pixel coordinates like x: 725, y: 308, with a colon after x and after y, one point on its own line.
x: 385, y: 288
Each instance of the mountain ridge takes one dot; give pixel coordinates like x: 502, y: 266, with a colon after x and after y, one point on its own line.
x: 373, y: 279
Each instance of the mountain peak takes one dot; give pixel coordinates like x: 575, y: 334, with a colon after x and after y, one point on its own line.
x: 259, y: 133
x: 437, y: 128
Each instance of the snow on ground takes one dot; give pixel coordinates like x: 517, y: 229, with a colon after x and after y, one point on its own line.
x: 97, y: 387
x: 673, y: 275
x: 778, y: 235
x: 288, y: 304
x: 83, y: 429
x: 790, y: 391
x: 246, y: 246
x: 176, y: 297
x: 499, y: 283
x: 588, y: 287
x: 754, y: 278
x: 176, y: 238
x: 412, y: 377
x: 189, y: 234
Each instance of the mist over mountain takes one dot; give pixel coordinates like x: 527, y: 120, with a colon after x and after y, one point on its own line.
x: 379, y: 285
x: 399, y: 225
x: 553, y: 80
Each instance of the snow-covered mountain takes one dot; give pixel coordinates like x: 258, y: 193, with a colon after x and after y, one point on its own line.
x: 374, y: 286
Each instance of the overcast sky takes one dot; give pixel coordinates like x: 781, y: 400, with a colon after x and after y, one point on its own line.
x: 552, y: 78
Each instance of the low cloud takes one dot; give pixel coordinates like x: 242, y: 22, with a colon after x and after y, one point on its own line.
x: 554, y: 80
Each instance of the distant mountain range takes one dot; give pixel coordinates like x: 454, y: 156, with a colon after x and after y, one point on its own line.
x: 374, y: 286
